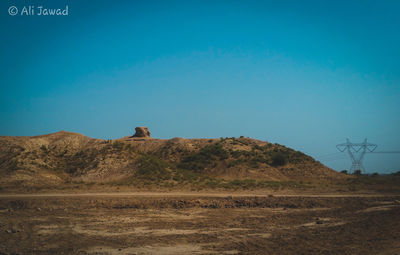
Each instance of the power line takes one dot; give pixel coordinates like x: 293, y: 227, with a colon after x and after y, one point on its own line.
x: 384, y: 152
x: 334, y: 159
x: 329, y: 155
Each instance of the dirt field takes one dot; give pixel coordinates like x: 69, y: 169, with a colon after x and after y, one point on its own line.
x: 199, y: 224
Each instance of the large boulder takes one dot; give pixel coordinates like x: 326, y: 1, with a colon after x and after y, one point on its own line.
x: 141, y: 132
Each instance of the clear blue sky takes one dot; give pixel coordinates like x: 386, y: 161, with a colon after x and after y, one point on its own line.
x: 306, y: 74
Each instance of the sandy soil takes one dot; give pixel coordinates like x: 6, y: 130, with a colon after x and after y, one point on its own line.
x: 185, y: 194
x: 193, y: 223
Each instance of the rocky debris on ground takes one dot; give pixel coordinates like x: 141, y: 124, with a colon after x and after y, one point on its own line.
x: 12, y: 230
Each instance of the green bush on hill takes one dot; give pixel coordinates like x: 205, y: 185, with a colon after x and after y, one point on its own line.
x: 278, y: 159
x: 82, y: 160
x: 203, y: 158
x: 152, y: 169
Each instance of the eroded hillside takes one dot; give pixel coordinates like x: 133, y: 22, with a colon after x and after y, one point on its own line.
x: 64, y: 157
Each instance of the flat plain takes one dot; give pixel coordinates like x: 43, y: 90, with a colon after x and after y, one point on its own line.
x: 199, y: 223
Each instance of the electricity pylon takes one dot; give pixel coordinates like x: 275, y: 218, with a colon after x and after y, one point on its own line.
x: 356, y: 152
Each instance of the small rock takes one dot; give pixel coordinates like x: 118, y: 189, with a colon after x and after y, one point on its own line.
x: 12, y: 231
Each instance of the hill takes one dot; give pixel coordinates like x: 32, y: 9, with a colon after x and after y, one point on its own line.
x: 64, y: 158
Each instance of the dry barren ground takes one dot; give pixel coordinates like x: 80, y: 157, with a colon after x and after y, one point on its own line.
x: 199, y: 224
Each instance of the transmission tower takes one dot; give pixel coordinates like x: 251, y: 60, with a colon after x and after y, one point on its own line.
x: 356, y: 152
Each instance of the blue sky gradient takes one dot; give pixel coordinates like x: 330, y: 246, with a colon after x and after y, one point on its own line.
x: 306, y: 74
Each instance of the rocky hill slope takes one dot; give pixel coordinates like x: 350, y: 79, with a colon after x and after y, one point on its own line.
x: 65, y: 157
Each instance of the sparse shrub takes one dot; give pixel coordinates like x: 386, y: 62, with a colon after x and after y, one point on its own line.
x: 234, y: 141
x: 152, y: 169
x: 13, y: 165
x: 43, y: 148
x: 118, y: 145
x: 344, y: 171
x: 233, y: 163
x: 236, y: 154
x: 278, y: 159
x: 297, y: 156
x: 82, y: 160
x: 253, y: 163
x: 396, y: 173
x: 257, y: 147
x: 205, y: 157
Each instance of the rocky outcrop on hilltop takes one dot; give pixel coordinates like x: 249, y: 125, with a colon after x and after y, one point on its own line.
x: 142, y: 132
